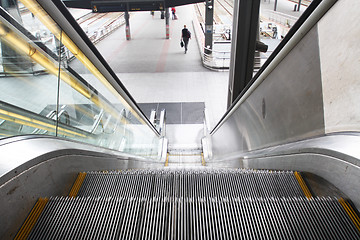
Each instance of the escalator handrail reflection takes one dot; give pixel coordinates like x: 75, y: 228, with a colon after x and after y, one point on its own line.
x: 31, y: 119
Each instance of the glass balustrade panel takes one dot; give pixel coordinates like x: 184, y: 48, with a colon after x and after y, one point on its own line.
x: 50, y: 87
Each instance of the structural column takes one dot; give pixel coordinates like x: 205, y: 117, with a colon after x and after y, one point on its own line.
x: 167, y: 14
x: 299, y: 5
x: 127, y: 21
x: 245, y: 27
x: 275, y: 5
x: 209, y: 19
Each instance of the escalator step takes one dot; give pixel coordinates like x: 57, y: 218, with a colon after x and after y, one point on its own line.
x: 212, y: 183
x: 303, y: 185
x: 194, y: 218
x: 31, y: 219
x: 78, y: 182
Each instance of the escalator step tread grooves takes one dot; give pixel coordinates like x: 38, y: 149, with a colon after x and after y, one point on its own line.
x: 249, y: 183
x: 32, y: 218
x: 78, y: 182
x: 183, y: 218
x: 194, y: 204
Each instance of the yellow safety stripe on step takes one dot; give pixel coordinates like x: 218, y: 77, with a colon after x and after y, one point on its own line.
x: 202, y: 159
x: 183, y: 155
x: 303, y: 185
x: 167, y: 160
x: 350, y: 211
x: 76, y: 187
x: 31, y: 219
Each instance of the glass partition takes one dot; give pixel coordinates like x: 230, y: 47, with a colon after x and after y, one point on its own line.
x: 43, y: 91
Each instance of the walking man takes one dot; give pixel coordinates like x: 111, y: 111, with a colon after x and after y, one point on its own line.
x: 173, y: 10
x: 185, y: 35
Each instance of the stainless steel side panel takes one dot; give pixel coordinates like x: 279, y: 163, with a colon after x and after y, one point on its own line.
x: 285, y: 107
x: 281, y: 117
x: 45, y: 166
x: 334, y: 157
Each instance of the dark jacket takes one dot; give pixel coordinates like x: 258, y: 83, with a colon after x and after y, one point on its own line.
x: 186, y: 33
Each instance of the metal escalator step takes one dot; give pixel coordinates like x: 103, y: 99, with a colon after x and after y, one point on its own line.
x: 212, y: 183
x: 303, y: 185
x: 194, y: 218
x: 78, y: 182
x: 31, y: 219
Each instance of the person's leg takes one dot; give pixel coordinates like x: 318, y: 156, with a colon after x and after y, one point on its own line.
x: 186, y: 41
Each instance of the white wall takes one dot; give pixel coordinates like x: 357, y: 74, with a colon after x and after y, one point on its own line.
x: 339, y: 41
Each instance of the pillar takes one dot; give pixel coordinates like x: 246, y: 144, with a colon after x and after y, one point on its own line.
x: 127, y: 22
x: 299, y: 5
x: 209, y: 19
x: 275, y: 5
x: 167, y: 16
x: 245, y: 27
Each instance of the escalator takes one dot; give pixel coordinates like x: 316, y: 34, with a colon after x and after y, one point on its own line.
x: 132, y: 186
x: 191, y: 204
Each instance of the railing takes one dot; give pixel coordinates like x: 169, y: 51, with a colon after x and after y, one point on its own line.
x: 80, y: 100
x: 216, y: 60
x: 109, y: 28
x: 101, y: 33
x: 280, y: 18
x: 220, y: 60
x: 22, y: 122
x: 52, y: 115
x: 18, y: 65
